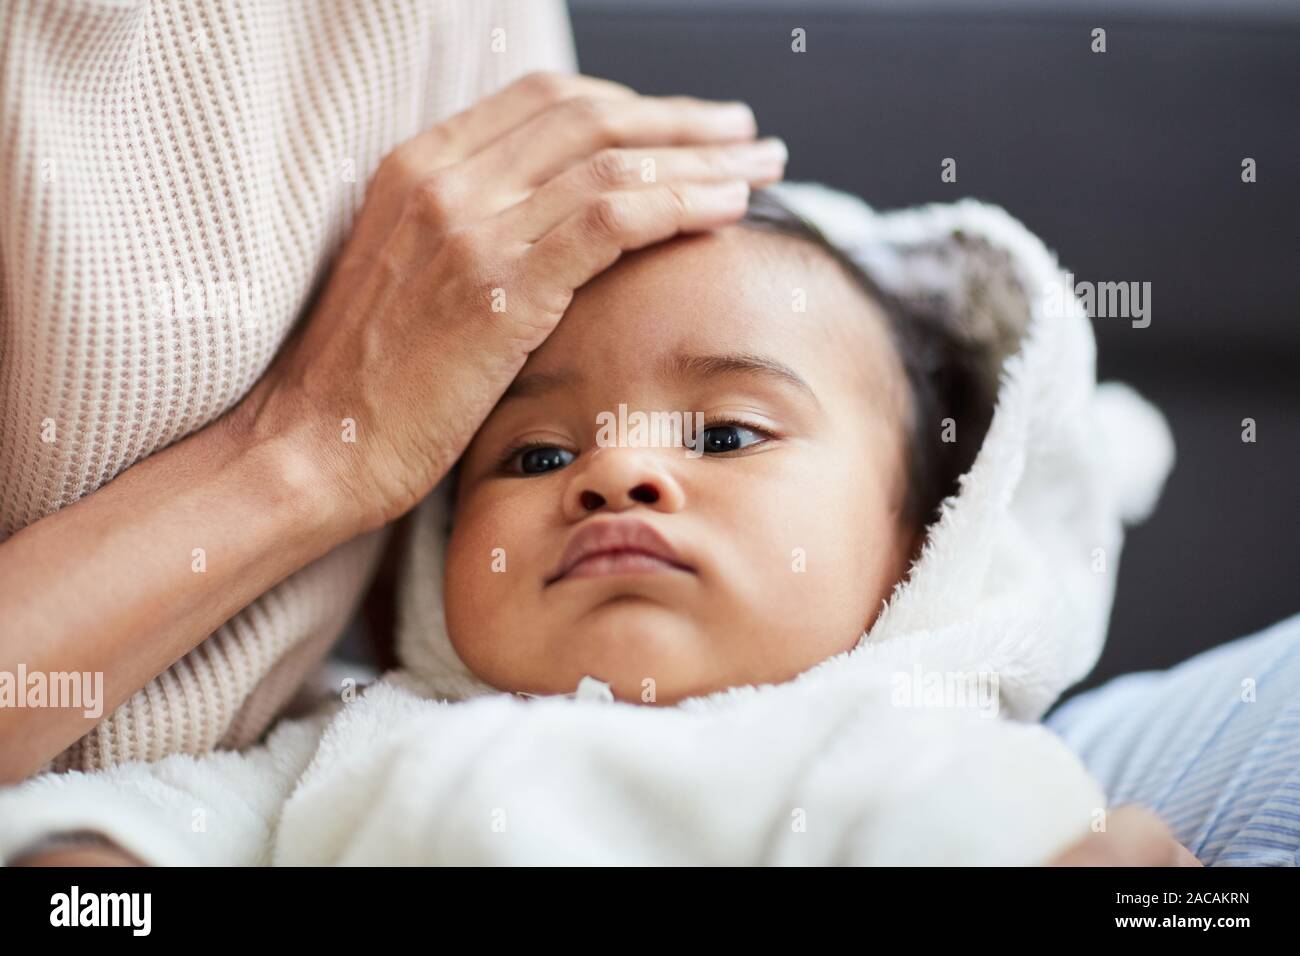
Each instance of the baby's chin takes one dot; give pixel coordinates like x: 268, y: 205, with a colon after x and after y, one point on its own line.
x: 647, y: 652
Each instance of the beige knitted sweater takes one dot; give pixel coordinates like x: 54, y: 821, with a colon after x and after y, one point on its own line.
x: 174, y: 178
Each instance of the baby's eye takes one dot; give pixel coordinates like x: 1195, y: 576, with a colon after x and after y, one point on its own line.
x: 538, y: 459
x: 719, y: 439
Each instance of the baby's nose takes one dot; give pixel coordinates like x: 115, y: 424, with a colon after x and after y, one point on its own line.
x: 646, y: 493
x: 618, y: 479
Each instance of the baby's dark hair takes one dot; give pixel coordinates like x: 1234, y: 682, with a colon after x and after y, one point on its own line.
x: 941, y: 366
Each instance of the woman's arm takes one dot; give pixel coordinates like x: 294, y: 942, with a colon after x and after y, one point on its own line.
x: 468, y: 248
x: 129, y: 579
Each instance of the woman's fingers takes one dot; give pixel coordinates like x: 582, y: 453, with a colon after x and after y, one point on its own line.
x: 620, y: 170
x: 1134, y: 836
x: 473, y: 129
x: 492, y: 155
x: 442, y: 146
x: 589, y: 240
x: 571, y: 131
x: 1184, y: 857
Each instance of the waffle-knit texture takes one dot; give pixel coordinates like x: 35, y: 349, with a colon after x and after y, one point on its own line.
x: 174, y: 179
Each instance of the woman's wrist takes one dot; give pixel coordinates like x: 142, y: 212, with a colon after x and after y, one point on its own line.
x: 349, y: 462
x: 132, y: 577
x: 295, y: 463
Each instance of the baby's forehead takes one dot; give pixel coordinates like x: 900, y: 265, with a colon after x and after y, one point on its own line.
x: 740, y: 281
x: 683, y: 319
x: 735, y: 317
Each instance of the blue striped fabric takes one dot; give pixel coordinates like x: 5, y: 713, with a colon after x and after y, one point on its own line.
x: 1221, y: 769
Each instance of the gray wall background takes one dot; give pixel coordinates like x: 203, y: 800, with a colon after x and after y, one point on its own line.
x: 1127, y: 163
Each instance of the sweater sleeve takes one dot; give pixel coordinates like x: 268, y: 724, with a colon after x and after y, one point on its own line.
x: 220, y: 809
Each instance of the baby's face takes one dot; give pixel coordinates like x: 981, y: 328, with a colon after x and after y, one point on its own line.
x: 673, y: 571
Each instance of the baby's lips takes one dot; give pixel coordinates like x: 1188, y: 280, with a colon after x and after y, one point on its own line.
x: 616, y: 534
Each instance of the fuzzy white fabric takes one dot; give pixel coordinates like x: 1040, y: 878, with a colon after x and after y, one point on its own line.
x: 821, y: 772
x: 1015, y: 580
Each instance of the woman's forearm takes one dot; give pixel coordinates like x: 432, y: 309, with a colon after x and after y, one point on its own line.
x: 129, y: 579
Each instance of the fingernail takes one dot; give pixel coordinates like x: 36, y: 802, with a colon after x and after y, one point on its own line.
x: 734, y: 115
x: 772, y: 148
x: 734, y: 193
x: 723, y: 198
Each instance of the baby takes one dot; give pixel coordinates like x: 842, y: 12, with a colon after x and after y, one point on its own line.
x: 668, y: 575
x: 905, y: 471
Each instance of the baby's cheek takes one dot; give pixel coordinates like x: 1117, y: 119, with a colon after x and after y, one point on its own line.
x: 839, y: 568
x: 478, y: 575
x: 796, y: 577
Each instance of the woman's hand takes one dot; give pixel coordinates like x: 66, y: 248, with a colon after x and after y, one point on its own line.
x: 1134, y: 836
x: 468, y: 249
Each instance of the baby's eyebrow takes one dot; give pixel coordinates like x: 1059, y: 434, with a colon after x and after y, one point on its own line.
x: 534, y: 384
x: 681, y: 365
